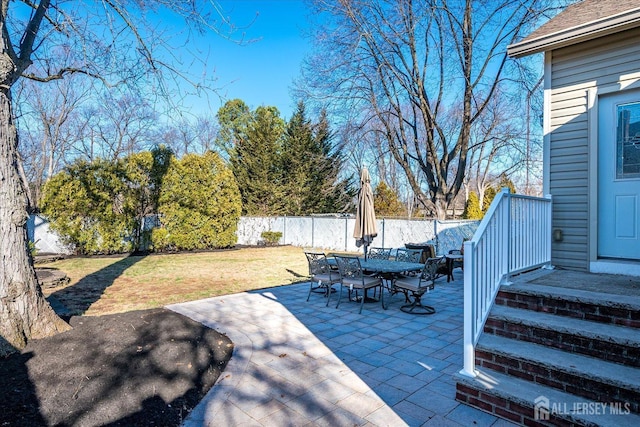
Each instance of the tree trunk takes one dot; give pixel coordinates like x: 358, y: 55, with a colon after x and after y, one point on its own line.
x: 24, y: 312
x: 441, y: 208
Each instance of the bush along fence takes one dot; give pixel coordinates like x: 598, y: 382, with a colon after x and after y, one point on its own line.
x: 336, y: 233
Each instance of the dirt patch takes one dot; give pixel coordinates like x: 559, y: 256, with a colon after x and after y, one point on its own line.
x: 143, y: 368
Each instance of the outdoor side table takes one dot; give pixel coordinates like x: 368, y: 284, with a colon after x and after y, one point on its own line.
x: 450, y: 259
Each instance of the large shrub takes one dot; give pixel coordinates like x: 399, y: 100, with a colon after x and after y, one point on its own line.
x: 89, y: 206
x: 145, y: 173
x: 199, y: 205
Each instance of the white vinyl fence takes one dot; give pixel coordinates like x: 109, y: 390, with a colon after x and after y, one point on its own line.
x: 336, y: 233
x: 322, y: 232
x: 45, y: 240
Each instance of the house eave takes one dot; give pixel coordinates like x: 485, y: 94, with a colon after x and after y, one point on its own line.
x: 577, y: 34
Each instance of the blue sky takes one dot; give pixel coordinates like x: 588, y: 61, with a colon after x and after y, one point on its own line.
x: 261, y: 72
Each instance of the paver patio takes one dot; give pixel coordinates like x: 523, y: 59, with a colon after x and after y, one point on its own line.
x: 299, y: 363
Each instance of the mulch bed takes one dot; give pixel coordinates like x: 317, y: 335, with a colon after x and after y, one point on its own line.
x: 143, y: 368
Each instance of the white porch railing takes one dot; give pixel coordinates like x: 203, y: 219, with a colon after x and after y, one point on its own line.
x: 514, y: 236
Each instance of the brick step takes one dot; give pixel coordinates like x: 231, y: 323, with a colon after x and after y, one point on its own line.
x: 515, y: 399
x: 573, y: 373
x: 612, y: 343
x: 617, y: 309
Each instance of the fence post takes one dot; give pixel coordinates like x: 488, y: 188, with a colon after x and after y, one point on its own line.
x: 505, y: 234
x: 549, y: 213
x: 469, y: 316
x: 284, y: 230
x: 346, y: 232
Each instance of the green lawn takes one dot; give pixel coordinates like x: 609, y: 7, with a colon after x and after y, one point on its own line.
x: 114, y: 284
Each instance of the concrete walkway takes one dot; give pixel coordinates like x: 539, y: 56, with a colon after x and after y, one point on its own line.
x: 299, y: 363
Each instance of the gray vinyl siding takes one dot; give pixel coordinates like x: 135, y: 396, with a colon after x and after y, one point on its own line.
x: 575, y: 70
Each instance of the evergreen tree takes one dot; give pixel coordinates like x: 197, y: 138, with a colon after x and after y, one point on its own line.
x: 311, y: 165
x: 91, y: 206
x: 386, y: 201
x: 145, y: 172
x: 297, y: 163
x: 255, y: 161
x: 330, y: 193
x: 233, y: 118
x: 491, y: 192
x: 489, y: 195
x: 472, y: 207
x: 506, y: 182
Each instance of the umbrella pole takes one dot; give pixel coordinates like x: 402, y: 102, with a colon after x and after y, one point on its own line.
x: 365, y: 252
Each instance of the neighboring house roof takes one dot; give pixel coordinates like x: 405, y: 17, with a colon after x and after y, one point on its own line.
x: 579, y: 22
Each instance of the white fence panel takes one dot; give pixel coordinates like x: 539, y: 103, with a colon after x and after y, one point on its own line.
x: 332, y: 233
x: 44, y: 239
x: 250, y: 228
x: 394, y: 233
x: 297, y: 229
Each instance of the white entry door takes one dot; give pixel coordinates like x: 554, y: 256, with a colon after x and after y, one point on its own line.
x: 619, y: 175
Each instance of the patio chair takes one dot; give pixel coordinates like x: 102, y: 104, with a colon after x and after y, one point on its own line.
x: 320, y: 272
x: 428, y: 250
x: 354, y: 278
x: 379, y: 253
x: 419, y: 285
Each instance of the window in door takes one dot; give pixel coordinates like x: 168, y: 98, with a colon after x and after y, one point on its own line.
x: 628, y: 141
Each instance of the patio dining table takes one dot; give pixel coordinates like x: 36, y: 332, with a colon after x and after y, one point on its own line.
x: 388, y: 266
x: 383, y: 266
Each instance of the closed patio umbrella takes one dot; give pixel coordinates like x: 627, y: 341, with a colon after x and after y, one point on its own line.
x: 366, y: 228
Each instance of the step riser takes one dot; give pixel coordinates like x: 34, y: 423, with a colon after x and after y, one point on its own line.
x: 503, y: 408
x: 574, y: 309
x: 612, y: 352
x: 512, y: 377
x: 564, y: 381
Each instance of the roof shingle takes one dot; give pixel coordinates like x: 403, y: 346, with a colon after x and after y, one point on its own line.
x: 582, y: 13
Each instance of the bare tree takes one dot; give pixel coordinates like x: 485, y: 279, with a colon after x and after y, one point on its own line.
x: 48, y: 115
x: 495, y: 145
x: 183, y: 136
x: 108, y: 40
x: 121, y: 125
x: 424, y: 70
x: 206, y: 133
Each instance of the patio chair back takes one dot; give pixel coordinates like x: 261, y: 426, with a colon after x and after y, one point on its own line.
x: 419, y: 285
x: 379, y: 253
x: 433, y: 269
x: 318, y: 263
x: 350, y: 268
x: 408, y: 255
